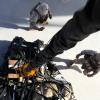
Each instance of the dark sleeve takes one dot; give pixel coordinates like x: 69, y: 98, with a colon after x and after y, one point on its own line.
x: 92, y: 11
x: 75, y: 30
x: 96, y: 12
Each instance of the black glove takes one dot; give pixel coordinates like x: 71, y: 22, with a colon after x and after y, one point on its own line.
x: 86, y: 53
x: 90, y: 64
x: 41, y: 58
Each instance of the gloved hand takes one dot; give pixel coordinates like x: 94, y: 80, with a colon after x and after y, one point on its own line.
x: 90, y: 64
x: 47, y: 54
x: 86, y: 53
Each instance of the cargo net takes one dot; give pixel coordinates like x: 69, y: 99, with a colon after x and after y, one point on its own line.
x: 37, y: 84
x: 35, y: 89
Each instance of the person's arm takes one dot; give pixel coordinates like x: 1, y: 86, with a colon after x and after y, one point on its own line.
x: 96, y: 13
x: 75, y: 30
